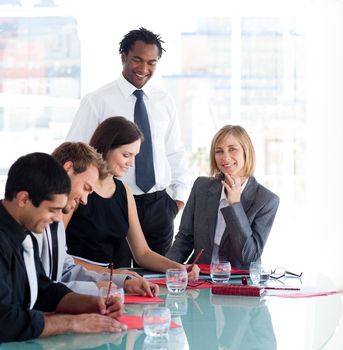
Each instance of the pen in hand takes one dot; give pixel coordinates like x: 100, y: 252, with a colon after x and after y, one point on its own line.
x: 108, y: 301
x: 190, y: 268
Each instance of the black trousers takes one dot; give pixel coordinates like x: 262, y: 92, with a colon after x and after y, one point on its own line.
x: 156, y: 212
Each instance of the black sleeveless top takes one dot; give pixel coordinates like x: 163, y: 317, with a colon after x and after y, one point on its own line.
x: 97, y: 229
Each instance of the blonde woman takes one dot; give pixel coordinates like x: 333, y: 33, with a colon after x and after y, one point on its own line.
x: 228, y: 214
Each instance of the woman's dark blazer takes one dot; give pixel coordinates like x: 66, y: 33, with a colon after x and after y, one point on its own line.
x: 248, y: 223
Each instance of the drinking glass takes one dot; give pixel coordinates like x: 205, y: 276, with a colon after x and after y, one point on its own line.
x: 156, y: 321
x: 114, y: 293
x: 220, y: 270
x: 177, y: 304
x: 176, y: 280
x: 255, y: 272
x: 265, y: 274
x: 156, y: 343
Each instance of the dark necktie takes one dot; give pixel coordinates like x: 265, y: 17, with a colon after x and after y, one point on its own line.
x: 144, y: 163
x: 30, y: 266
x: 54, y: 250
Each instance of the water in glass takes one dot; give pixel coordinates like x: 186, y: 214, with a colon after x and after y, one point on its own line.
x: 156, y: 321
x: 255, y: 272
x: 220, y: 271
x: 176, y: 280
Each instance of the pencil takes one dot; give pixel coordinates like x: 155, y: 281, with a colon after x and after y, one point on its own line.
x: 107, y: 301
x: 282, y: 288
x: 190, y: 268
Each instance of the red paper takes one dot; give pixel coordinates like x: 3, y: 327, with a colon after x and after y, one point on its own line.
x: 139, y: 299
x: 161, y: 281
x: 136, y: 322
x: 199, y: 284
x: 205, y: 269
x: 306, y: 295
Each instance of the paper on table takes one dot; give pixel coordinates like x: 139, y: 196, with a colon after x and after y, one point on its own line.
x: 304, y: 292
x: 136, y: 322
x: 205, y: 269
x: 139, y: 299
x: 147, y: 274
x: 200, y: 284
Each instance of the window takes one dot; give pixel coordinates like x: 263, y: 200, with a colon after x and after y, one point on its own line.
x: 243, y: 63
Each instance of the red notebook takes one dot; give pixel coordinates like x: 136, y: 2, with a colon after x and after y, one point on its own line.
x: 237, y: 289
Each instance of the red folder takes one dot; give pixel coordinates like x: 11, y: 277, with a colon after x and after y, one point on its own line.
x: 237, y: 289
x: 199, y: 284
x: 136, y: 322
x: 139, y: 299
x: 205, y: 269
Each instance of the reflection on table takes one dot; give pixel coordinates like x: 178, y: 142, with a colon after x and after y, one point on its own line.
x: 223, y: 322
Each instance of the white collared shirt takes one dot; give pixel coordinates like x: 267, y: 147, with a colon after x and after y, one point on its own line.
x: 117, y: 99
x: 221, y: 225
x: 75, y: 277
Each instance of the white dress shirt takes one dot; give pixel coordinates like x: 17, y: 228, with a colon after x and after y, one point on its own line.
x: 29, y: 259
x: 220, y: 226
x: 117, y: 99
x: 75, y: 277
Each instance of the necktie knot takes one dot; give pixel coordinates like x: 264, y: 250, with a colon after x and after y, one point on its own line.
x: 139, y: 94
x: 27, y: 244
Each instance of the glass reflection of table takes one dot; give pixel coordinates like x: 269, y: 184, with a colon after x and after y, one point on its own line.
x: 226, y: 322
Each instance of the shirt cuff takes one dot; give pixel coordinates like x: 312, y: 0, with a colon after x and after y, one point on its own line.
x: 180, y: 194
x: 119, y: 280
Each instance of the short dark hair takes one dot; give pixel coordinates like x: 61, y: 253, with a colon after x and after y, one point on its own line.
x: 40, y: 175
x: 114, y: 132
x: 141, y: 34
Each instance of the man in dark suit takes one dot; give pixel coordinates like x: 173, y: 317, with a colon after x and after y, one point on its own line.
x: 36, y: 192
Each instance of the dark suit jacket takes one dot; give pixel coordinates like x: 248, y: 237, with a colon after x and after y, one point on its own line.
x: 248, y: 223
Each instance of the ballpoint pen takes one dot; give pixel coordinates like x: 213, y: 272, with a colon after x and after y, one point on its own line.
x: 107, y: 301
x: 282, y: 288
x: 190, y: 268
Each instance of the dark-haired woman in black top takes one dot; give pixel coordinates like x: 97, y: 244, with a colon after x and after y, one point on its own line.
x: 97, y: 229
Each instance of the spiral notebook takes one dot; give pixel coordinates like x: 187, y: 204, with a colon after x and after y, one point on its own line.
x: 238, y: 289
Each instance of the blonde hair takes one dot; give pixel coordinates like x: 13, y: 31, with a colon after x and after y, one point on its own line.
x: 243, y: 138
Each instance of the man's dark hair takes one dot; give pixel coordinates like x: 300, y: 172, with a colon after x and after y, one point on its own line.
x: 141, y: 34
x: 38, y: 174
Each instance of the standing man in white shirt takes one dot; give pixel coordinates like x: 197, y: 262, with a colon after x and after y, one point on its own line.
x: 140, y: 52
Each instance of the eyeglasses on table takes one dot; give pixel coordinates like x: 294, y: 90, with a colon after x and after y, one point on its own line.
x: 280, y: 272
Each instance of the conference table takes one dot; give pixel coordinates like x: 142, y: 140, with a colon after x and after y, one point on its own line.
x: 209, y: 321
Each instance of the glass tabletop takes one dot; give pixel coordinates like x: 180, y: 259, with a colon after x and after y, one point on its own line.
x: 225, y: 322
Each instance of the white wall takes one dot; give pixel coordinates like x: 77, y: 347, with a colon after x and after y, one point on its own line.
x: 323, y: 223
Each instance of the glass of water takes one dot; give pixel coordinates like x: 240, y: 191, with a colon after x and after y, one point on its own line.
x: 255, y: 272
x: 176, y: 280
x: 220, y: 270
x: 156, y: 343
x: 112, y: 294
x: 177, y: 304
x: 265, y: 274
x: 156, y: 321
